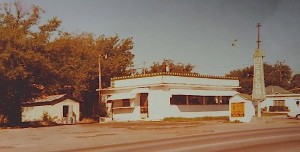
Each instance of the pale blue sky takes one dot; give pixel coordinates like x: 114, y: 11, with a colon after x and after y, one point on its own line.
x: 199, y: 32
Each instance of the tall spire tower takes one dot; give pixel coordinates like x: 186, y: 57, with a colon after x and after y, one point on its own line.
x: 258, y: 90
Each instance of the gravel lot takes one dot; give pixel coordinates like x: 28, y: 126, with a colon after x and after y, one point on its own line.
x: 66, y: 137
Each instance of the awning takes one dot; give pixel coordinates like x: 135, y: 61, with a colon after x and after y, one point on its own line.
x: 203, y: 92
x: 121, y: 96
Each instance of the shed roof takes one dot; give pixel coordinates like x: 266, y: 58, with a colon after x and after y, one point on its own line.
x: 49, y: 100
x: 244, y: 96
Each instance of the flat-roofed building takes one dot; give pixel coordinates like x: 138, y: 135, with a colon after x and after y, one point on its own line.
x: 160, y: 95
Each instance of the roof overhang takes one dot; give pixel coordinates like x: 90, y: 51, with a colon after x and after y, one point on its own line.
x: 204, y: 92
x: 51, y: 101
x: 121, y: 96
x: 283, y: 95
x: 172, y: 86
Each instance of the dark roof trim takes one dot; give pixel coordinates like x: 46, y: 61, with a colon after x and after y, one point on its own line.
x: 53, y: 102
x: 174, y: 74
x: 244, y: 96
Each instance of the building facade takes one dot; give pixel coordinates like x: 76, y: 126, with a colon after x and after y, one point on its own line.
x: 59, y: 108
x: 160, y: 95
x: 280, y: 100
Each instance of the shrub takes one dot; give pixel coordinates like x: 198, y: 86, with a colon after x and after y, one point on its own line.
x: 278, y: 108
x: 48, y: 118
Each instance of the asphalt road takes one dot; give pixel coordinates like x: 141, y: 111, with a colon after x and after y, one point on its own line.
x: 275, y: 140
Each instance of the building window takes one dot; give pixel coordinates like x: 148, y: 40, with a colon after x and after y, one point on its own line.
x: 278, y: 102
x: 126, y: 102
x: 196, y: 100
x: 211, y: 100
x: 217, y: 100
x: 225, y: 99
x: 178, y: 100
x: 199, y: 100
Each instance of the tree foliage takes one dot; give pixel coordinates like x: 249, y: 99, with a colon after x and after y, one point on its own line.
x: 276, y: 74
x: 22, y: 63
x: 178, y: 67
x: 38, y: 59
x: 295, y: 83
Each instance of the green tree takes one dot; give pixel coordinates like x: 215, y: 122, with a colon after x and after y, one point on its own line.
x: 23, y: 67
x: 116, y: 57
x: 271, y: 73
x: 39, y: 60
x: 76, y: 59
x: 178, y: 67
x: 245, y: 78
x: 295, y: 83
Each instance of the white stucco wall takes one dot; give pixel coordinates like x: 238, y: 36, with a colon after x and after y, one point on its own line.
x: 137, y: 81
x: 192, y: 111
x: 127, y: 113
x: 160, y: 107
x: 249, y: 110
x: 35, y: 113
x: 203, y: 92
x: 199, y: 81
x: 144, y: 81
x: 158, y: 104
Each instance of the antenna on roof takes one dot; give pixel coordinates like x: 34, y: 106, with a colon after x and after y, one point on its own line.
x: 258, y: 41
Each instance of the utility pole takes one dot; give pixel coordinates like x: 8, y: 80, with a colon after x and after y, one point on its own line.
x: 100, y: 74
x: 100, y: 82
x: 279, y: 68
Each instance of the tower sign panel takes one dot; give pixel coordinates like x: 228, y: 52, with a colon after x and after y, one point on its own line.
x: 258, y: 92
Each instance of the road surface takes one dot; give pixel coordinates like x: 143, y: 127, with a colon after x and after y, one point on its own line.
x: 277, y: 139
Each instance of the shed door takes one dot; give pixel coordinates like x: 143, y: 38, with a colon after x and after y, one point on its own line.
x: 65, y: 111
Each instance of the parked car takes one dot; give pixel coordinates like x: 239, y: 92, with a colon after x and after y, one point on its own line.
x: 294, y: 114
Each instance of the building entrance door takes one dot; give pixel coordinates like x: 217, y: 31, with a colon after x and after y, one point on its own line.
x: 144, y: 105
x: 68, y: 117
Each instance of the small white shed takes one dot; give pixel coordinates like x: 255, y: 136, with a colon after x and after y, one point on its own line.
x: 241, y: 108
x: 61, y: 109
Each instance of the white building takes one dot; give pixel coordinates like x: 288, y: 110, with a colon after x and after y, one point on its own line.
x: 280, y: 100
x: 60, y: 108
x: 160, y: 95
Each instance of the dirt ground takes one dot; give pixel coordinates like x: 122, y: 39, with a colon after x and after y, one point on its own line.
x: 66, y: 137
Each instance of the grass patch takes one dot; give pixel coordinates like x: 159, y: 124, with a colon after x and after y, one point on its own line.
x: 180, y: 119
x: 235, y: 121
x: 32, y: 124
